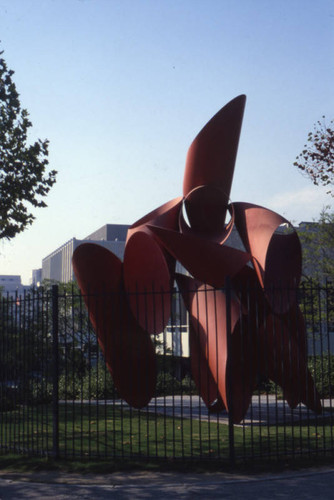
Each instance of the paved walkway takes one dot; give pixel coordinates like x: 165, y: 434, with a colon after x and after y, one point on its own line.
x: 263, y: 410
x: 305, y: 485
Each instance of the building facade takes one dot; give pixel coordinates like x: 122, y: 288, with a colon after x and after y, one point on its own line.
x: 10, y: 284
x: 57, y: 266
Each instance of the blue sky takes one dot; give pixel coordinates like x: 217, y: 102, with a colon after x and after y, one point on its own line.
x: 121, y: 88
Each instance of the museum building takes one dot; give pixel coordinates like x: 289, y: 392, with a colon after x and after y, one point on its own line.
x: 57, y: 266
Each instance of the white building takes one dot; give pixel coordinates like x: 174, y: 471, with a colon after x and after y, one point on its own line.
x: 57, y: 266
x: 11, y: 284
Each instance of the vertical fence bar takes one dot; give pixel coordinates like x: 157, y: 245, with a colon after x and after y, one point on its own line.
x: 229, y: 371
x: 55, y: 372
x: 329, y: 312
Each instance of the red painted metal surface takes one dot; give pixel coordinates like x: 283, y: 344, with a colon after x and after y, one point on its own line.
x: 205, y: 209
x: 276, y: 255
x: 147, y: 280
x: 149, y: 268
x: 211, y: 156
x: 282, y: 343
x: 127, y: 348
x: 167, y: 215
x: 267, y: 333
x: 220, y: 261
x: 219, y: 386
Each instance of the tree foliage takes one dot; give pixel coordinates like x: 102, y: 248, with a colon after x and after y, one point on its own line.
x: 24, y: 181
x: 317, y: 158
x: 317, y: 239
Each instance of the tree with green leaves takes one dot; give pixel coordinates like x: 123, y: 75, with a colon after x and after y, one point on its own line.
x: 317, y: 239
x: 317, y: 158
x: 24, y: 181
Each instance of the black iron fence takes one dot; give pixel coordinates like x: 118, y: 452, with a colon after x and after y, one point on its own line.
x: 59, y: 399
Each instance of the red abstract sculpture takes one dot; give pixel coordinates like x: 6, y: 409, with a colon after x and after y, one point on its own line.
x: 265, y: 331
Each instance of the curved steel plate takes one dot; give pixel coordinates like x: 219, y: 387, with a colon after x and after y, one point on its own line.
x: 147, y: 281
x: 282, y: 348
x: 167, y: 215
x: 205, y: 212
x: 127, y: 348
x: 211, y: 156
x: 207, y: 261
x: 218, y: 385
x: 276, y: 255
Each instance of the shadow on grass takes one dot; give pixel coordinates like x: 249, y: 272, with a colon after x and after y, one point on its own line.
x: 12, y: 463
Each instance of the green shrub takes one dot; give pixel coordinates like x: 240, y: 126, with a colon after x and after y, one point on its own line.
x: 167, y: 384
x: 322, y: 371
x: 69, y: 387
x: 98, y: 384
x: 188, y: 385
x: 95, y: 384
x: 40, y: 392
x: 8, y: 398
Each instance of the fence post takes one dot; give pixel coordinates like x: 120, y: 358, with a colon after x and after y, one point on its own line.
x: 55, y: 372
x: 229, y: 370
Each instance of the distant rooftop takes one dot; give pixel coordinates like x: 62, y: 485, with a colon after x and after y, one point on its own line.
x: 10, y: 278
x: 307, y: 223
x: 110, y: 232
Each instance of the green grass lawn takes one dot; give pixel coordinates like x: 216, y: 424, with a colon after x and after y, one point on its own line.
x: 112, y: 432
